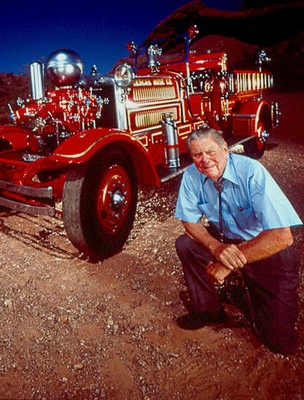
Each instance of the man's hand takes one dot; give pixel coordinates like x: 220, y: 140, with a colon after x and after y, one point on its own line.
x: 217, y: 272
x: 264, y: 245
x: 229, y: 255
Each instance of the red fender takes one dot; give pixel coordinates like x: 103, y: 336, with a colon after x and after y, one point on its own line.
x: 248, y: 116
x: 81, y: 147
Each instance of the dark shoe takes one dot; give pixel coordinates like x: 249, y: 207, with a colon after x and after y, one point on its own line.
x: 195, y: 320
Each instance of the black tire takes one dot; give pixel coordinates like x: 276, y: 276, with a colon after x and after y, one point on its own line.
x: 99, y: 204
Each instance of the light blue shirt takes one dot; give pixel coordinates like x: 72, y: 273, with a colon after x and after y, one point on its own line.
x: 252, y: 201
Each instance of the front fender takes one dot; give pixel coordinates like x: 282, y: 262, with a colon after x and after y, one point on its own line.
x: 82, y: 147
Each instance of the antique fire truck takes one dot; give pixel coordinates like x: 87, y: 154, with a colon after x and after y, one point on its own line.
x: 80, y: 148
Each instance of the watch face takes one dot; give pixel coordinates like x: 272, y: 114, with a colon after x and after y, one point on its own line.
x: 124, y: 75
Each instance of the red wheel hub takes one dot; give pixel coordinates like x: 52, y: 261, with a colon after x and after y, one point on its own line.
x: 113, y: 199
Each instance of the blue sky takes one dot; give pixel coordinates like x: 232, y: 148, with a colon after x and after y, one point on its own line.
x: 97, y: 31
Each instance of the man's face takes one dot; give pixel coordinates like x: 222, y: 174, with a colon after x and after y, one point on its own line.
x: 209, y: 158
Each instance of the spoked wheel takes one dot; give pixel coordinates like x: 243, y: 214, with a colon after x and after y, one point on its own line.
x: 99, y: 204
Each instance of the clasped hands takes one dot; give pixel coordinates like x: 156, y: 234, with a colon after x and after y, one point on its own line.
x: 228, y: 257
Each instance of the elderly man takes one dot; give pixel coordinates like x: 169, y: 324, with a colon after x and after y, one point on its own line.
x: 237, y: 219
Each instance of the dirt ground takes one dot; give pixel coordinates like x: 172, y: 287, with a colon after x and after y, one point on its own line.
x: 71, y: 329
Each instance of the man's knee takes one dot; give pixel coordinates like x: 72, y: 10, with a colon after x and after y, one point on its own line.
x: 183, y: 244
x: 179, y: 242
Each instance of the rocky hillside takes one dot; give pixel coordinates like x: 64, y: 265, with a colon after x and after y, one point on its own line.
x: 278, y: 29
x: 264, y: 26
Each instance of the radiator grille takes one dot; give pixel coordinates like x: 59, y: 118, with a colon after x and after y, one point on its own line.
x: 152, y: 94
x: 148, y: 118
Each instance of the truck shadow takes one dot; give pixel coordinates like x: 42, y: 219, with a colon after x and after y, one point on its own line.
x: 44, y: 234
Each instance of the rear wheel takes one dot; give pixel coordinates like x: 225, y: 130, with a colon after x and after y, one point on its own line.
x: 99, y: 204
x: 257, y: 145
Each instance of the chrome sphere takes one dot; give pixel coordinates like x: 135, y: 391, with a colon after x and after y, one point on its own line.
x: 64, y: 67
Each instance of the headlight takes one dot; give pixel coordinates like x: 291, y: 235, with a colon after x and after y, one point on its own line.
x: 124, y: 75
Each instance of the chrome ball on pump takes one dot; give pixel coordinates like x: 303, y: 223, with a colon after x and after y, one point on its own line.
x: 64, y: 67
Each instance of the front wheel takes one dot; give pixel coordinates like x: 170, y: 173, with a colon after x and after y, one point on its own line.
x: 99, y: 204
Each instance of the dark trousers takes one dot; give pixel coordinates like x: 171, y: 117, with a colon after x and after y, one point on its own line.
x: 272, y: 286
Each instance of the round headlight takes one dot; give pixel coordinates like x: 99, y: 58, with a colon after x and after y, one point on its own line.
x: 124, y: 75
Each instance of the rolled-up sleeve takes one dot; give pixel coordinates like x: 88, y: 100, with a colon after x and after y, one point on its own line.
x: 188, y: 198
x: 271, y: 206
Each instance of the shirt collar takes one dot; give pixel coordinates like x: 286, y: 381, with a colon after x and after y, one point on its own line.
x: 230, y: 173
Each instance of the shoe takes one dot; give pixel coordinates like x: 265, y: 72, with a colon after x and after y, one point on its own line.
x: 195, y: 320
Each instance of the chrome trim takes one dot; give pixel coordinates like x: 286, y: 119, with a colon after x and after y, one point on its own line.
x: 27, y: 208
x: 43, y: 193
x: 46, y: 193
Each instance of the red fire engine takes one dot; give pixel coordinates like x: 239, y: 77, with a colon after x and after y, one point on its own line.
x: 81, y: 147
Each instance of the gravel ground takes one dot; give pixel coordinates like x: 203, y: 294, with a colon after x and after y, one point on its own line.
x: 71, y: 329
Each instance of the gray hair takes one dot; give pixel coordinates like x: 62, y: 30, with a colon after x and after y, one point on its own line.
x: 207, y: 133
